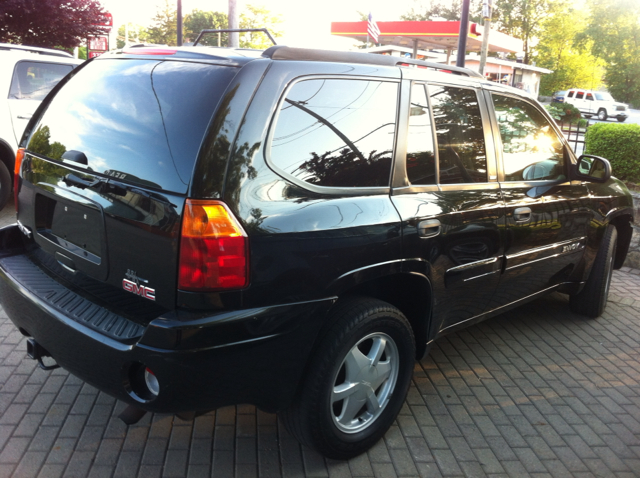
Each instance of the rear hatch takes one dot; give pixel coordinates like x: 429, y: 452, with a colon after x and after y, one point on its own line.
x: 106, y: 172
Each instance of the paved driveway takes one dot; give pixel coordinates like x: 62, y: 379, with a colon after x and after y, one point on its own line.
x: 534, y: 392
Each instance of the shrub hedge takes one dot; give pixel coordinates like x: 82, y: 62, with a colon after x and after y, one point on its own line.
x: 563, y: 112
x: 620, y: 144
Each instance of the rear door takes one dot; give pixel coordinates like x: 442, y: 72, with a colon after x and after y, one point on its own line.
x: 449, y: 199
x: 108, y: 166
x: 547, y: 215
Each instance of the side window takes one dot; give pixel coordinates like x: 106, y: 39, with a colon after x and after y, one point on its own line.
x: 421, y: 165
x: 589, y: 97
x: 461, y: 151
x: 33, y: 80
x: 337, y: 132
x: 570, y: 95
x: 580, y: 95
x: 531, y: 148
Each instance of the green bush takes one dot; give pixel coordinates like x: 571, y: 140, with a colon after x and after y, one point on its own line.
x: 563, y: 112
x: 620, y: 144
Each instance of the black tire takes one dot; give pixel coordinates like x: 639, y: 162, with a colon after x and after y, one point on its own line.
x: 592, y: 299
x: 5, y: 185
x: 602, y: 114
x: 621, y: 119
x: 342, y: 428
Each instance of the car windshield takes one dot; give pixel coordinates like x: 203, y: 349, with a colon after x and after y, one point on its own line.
x: 603, y: 96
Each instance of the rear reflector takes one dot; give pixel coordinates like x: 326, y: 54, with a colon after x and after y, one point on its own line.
x: 16, y: 175
x: 213, y: 248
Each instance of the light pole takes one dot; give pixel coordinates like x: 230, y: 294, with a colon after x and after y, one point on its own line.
x: 179, y: 26
x: 234, y: 37
x: 487, y: 8
x: 464, y: 31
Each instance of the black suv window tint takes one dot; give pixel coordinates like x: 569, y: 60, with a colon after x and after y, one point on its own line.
x: 570, y: 95
x: 589, y: 97
x: 531, y: 148
x: 461, y: 151
x: 158, y: 111
x: 421, y: 167
x: 580, y: 95
x: 337, y: 132
x: 32, y: 80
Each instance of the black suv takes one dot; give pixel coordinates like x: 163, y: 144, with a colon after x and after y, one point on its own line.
x: 202, y: 227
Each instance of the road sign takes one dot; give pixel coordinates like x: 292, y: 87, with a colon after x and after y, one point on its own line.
x: 97, y: 46
x: 99, y: 43
x: 106, y: 21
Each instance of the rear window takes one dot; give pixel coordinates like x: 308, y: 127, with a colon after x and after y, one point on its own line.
x: 140, y: 121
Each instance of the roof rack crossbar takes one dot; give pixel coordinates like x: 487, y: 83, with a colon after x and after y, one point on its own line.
x: 235, y: 30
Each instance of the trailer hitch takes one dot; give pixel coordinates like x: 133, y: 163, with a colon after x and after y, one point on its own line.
x: 37, y: 352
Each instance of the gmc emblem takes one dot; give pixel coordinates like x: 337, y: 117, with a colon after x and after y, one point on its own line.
x: 146, y: 292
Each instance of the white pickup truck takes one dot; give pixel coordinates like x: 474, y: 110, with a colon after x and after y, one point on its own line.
x: 597, y: 103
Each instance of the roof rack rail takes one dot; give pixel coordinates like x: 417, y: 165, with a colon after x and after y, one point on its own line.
x: 235, y: 30
x: 440, y: 66
x: 282, y: 52
x: 35, y: 49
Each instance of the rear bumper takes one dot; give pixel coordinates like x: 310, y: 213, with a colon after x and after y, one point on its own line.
x: 201, y: 361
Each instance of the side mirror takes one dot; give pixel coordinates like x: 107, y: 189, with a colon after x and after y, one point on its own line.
x: 592, y: 168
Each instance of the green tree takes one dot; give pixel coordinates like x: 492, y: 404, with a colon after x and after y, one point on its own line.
x: 165, y: 29
x: 572, y: 63
x: 136, y: 32
x: 523, y: 19
x: 198, y: 20
x: 614, y: 28
x: 258, y: 17
x: 449, y: 10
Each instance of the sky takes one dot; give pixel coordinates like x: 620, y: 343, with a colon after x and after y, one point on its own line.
x: 305, y: 24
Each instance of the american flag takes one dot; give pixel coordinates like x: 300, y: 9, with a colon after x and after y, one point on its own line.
x: 372, y: 29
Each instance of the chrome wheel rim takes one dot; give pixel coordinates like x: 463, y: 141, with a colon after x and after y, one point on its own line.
x: 364, y: 383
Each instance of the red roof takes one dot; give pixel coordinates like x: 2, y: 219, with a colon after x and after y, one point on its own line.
x: 429, y: 35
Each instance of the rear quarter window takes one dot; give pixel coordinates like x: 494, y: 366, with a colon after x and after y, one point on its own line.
x: 140, y: 121
x: 336, y: 132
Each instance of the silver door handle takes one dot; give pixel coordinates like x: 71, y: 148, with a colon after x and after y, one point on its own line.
x: 522, y: 214
x: 429, y: 228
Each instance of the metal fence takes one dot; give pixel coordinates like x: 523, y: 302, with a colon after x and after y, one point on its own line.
x: 575, y: 135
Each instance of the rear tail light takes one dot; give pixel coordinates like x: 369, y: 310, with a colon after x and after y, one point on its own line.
x: 16, y: 175
x: 213, y: 248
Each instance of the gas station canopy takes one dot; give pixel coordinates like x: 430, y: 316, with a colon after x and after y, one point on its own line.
x: 428, y: 35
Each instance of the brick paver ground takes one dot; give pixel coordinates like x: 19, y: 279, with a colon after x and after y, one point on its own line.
x: 534, y: 392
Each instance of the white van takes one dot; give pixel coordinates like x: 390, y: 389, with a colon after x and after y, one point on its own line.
x: 598, y: 103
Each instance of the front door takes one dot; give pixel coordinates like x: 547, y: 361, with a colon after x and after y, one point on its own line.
x: 546, y: 220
